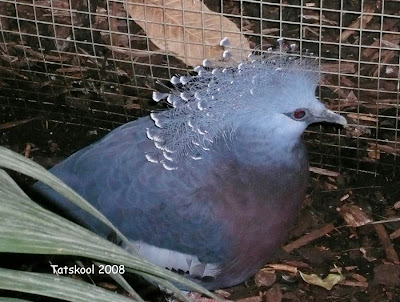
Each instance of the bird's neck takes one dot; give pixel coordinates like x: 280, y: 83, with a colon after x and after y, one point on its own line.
x: 274, y: 142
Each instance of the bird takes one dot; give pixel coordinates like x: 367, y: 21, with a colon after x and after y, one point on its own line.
x: 211, y: 186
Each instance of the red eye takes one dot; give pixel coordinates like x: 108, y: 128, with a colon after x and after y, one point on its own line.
x: 299, y: 114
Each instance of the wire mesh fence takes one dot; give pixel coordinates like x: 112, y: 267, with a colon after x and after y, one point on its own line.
x: 95, y: 63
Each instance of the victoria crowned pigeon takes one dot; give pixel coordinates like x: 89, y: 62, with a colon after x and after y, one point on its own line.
x: 211, y: 187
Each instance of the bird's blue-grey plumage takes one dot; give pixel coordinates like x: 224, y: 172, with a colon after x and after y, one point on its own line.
x: 212, y: 186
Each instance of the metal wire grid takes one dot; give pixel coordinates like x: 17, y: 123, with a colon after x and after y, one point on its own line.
x: 89, y: 63
x: 379, y: 129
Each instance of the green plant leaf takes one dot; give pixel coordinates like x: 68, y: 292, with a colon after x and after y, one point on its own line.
x: 56, y: 286
x: 26, y: 227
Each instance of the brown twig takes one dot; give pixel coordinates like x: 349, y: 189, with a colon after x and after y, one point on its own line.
x: 369, y: 8
x: 308, y: 238
x: 324, y: 172
x: 386, y: 243
x: 17, y: 123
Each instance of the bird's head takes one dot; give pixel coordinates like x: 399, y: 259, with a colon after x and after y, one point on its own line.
x: 266, y: 92
x: 285, y: 89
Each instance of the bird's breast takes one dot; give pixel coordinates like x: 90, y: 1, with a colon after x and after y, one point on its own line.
x: 258, y: 205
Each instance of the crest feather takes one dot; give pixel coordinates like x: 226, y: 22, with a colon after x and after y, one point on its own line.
x: 208, y: 105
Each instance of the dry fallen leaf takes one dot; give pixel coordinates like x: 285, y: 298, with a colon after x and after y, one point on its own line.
x: 265, y: 277
x: 186, y: 29
x: 328, y: 282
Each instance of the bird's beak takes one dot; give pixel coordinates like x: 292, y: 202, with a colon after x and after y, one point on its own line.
x: 329, y: 116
